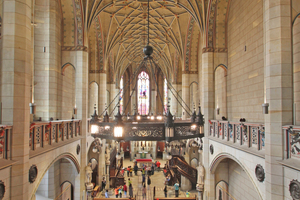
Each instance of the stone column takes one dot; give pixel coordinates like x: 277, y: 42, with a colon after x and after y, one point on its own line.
x: 81, y: 62
x: 113, y: 93
x: 15, y: 88
x: 208, y: 111
x: 153, y: 101
x: 279, y: 91
x: 174, y: 103
x: 185, y: 95
x: 102, y: 93
x: 186, y: 184
x: 47, y: 61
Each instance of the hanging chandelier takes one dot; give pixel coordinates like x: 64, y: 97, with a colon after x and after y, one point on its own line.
x: 147, y: 127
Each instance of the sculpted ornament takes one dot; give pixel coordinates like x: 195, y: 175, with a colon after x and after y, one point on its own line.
x: 2, y: 190
x: 32, y: 173
x: 295, y: 189
x: 260, y: 173
x: 200, y: 180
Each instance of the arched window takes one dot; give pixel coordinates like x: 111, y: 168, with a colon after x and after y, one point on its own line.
x: 143, y: 93
x: 121, y: 95
x: 165, y: 95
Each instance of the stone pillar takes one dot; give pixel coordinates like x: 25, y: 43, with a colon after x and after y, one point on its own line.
x: 153, y: 101
x: 81, y: 63
x: 15, y: 88
x: 102, y: 94
x: 47, y: 61
x: 208, y: 111
x: 113, y: 93
x: 279, y: 91
x: 186, y: 184
x: 185, y: 95
x: 174, y: 102
x: 133, y: 101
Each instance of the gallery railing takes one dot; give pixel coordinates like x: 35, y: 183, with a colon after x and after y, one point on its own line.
x: 48, y: 133
x: 292, y: 141
x: 243, y: 133
x: 5, y: 141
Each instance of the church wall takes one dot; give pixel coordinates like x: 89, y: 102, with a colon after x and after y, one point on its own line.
x: 68, y: 92
x: 247, y: 160
x: 220, y: 93
x: 296, y: 60
x: 5, y: 178
x: 289, y: 175
x: 245, y: 68
x: 240, y: 186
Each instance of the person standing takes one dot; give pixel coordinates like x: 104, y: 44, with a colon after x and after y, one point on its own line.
x: 129, y: 181
x: 144, y: 192
x: 165, y: 190
x: 117, y: 192
x: 143, y: 171
x: 130, y: 191
x: 135, y: 169
x: 120, y: 191
x: 152, y: 169
x: 128, y: 170
x: 149, y: 182
x: 176, y: 186
x: 106, y: 194
x: 131, y: 171
x: 143, y: 179
x: 125, y: 190
x: 158, y: 165
x: 103, y: 184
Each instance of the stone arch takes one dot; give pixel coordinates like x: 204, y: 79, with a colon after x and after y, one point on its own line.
x: 64, y: 66
x: 220, y: 157
x: 72, y: 188
x: 71, y: 158
x: 220, y: 88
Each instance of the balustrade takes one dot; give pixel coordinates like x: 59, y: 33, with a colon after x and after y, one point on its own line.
x: 292, y: 141
x: 5, y: 141
x: 242, y: 133
x: 47, y: 133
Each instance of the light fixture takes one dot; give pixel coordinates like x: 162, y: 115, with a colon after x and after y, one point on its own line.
x: 169, y: 124
x: 265, y: 107
x: 118, y: 129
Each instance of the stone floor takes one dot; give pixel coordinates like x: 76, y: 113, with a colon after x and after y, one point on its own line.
x: 157, y: 180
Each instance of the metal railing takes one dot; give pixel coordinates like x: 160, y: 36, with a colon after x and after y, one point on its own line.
x: 5, y: 141
x: 243, y: 133
x: 47, y: 133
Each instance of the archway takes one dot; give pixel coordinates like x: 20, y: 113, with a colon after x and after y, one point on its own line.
x: 227, y: 168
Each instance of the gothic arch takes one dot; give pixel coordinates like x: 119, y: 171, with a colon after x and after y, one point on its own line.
x: 220, y: 157
x: 70, y: 157
x: 64, y: 66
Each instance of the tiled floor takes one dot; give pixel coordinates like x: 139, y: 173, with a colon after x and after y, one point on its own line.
x: 157, y: 180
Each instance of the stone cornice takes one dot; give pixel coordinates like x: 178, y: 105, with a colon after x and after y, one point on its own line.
x: 97, y: 71
x: 189, y: 72
x: 74, y: 48
x: 211, y: 49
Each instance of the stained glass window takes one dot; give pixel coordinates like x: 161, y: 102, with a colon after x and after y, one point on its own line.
x: 121, y: 95
x: 143, y: 93
x: 165, y: 95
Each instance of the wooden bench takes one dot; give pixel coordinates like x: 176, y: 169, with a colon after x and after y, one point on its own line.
x: 114, y: 198
x: 175, y: 198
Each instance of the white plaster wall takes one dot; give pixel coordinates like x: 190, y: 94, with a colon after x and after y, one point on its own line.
x: 68, y: 92
x: 5, y: 177
x: 289, y: 175
x: 296, y: 59
x: 245, y: 78
x: 44, y: 162
x: 220, y: 93
x: 240, y: 185
x: 247, y: 160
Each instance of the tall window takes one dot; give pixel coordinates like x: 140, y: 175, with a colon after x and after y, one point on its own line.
x: 166, y: 95
x: 121, y: 95
x: 143, y: 93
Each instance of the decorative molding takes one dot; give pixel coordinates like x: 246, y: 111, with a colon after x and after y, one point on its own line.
x: 79, y: 21
x: 74, y: 48
x: 260, y: 173
x: 188, y: 44
x: 2, y: 189
x: 97, y: 71
x: 99, y: 40
x: 294, y: 189
x: 78, y: 149
x: 211, y: 149
x: 211, y: 23
x: 32, y: 173
x: 189, y: 72
x: 211, y: 49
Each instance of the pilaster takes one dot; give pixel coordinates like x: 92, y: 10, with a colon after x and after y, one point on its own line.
x: 102, y: 94
x: 208, y: 112
x: 15, y: 88
x: 279, y: 92
x: 185, y: 96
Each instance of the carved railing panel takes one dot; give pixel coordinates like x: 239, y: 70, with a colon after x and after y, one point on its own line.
x: 5, y: 141
x: 292, y: 141
x: 242, y: 133
x: 42, y: 134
